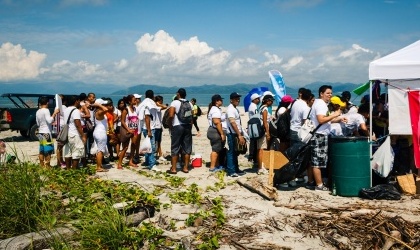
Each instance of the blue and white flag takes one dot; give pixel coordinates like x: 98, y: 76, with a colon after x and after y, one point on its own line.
x: 278, y: 84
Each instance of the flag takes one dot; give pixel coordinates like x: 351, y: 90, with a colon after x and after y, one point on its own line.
x: 414, y: 106
x: 362, y: 88
x: 278, y: 84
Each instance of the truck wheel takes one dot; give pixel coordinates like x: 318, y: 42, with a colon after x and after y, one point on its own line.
x: 24, y: 133
x: 33, y: 133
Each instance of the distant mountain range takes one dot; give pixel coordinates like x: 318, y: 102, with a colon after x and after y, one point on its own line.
x: 112, y: 89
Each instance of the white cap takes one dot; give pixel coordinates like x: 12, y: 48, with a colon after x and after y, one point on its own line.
x: 137, y: 96
x: 268, y: 93
x: 101, y: 101
x: 254, y: 96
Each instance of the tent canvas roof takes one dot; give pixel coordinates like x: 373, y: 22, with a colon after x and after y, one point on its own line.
x: 402, y: 64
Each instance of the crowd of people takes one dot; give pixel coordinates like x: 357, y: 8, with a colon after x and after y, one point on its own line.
x: 98, y: 129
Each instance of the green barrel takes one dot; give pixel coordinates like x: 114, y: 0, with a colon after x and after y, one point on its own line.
x: 350, y: 164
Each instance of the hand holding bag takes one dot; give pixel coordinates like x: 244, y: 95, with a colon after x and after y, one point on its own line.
x: 125, y: 135
x: 240, y: 149
x: 146, y: 146
x: 306, y: 131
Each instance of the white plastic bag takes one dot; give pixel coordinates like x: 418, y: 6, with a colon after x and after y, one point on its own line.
x: 383, y: 159
x: 146, y: 146
x: 305, y: 132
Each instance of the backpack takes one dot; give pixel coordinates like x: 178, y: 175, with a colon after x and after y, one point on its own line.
x: 199, y: 112
x: 280, y: 127
x: 255, y: 127
x: 185, y: 112
x: 166, y: 122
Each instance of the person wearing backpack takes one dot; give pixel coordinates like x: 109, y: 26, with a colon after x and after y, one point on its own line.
x: 252, y: 110
x: 264, y: 141
x: 180, y: 115
x: 196, y: 111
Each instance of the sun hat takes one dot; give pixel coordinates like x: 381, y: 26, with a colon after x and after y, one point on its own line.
x: 336, y: 100
x: 216, y: 98
x: 255, y: 96
x: 287, y: 99
x: 268, y: 97
x: 137, y: 96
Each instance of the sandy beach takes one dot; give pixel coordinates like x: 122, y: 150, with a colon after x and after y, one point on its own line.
x: 265, y: 224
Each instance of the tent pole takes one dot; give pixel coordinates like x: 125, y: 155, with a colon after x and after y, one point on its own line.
x: 370, y: 126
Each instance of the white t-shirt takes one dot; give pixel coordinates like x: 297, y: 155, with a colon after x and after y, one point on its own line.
x: 232, y: 112
x: 320, y: 108
x: 269, y: 116
x: 298, y: 113
x: 216, y: 112
x: 74, y: 116
x: 354, y: 120
x: 44, y: 120
x: 158, y: 122
x: 252, y: 109
x: 177, y: 105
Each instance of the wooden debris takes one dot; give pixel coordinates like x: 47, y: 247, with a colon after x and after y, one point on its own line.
x: 257, y: 185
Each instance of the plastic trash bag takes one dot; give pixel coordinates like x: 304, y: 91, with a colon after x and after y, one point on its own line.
x: 383, y: 159
x: 380, y: 192
x: 146, y: 146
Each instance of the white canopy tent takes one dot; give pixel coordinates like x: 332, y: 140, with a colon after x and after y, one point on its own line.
x: 401, y: 70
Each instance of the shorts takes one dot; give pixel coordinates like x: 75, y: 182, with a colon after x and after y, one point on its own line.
x: 158, y: 134
x: 74, y: 148
x: 215, y: 140
x: 46, y: 145
x: 319, y: 150
x: 181, y: 139
x: 262, y: 143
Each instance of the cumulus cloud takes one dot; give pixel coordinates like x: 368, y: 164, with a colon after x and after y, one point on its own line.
x: 16, y: 63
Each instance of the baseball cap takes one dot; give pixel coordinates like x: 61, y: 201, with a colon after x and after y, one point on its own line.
x: 234, y: 95
x: 216, y: 98
x: 254, y: 96
x: 337, y: 100
x: 137, y: 96
x: 287, y: 99
x: 101, y: 101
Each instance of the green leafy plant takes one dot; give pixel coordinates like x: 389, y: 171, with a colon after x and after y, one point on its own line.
x: 190, y: 196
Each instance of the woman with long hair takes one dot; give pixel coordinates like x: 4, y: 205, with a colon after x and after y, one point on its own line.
x: 129, y: 122
x: 216, y: 133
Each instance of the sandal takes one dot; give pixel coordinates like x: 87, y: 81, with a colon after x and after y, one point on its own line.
x: 101, y: 170
x: 185, y: 171
x: 170, y: 172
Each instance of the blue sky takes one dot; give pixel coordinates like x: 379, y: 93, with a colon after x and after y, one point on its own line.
x: 186, y: 42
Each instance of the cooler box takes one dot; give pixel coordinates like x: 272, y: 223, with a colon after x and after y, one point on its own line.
x: 196, y: 161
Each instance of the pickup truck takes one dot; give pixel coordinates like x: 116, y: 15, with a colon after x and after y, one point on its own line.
x: 18, y: 113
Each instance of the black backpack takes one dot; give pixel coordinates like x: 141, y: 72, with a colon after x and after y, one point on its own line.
x: 280, y: 127
x: 165, y: 119
x: 185, y: 112
x: 199, y: 112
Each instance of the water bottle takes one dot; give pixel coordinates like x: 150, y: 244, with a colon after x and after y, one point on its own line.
x: 334, y: 189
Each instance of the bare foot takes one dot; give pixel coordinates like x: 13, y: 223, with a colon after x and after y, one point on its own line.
x: 120, y: 167
x: 133, y: 165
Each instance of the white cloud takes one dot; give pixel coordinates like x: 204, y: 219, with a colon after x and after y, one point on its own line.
x: 294, y: 61
x: 16, y: 63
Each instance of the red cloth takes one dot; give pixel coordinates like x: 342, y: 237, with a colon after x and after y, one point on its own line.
x: 414, y: 105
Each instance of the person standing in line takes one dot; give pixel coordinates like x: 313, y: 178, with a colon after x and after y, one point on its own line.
x: 129, y: 122
x: 135, y: 152
x: 158, y: 127
x: 299, y: 113
x: 44, y: 120
x: 252, y: 110
x: 234, y: 132
x: 195, y: 116
x: 85, y: 115
x: 181, y: 136
x: 319, y: 143
x: 215, y: 133
x: 148, y: 116
x: 74, y: 149
x: 264, y: 142
x: 118, y: 111
x: 90, y: 100
x: 60, y: 146
x: 100, y: 132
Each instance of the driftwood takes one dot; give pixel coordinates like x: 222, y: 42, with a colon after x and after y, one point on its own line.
x: 259, y: 186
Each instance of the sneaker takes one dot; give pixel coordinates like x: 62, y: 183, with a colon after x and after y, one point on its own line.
x: 240, y: 172
x: 310, y: 185
x: 300, y: 179
x: 321, y: 188
x: 162, y: 158
x: 156, y: 169
x: 292, y: 183
x: 262, y: 171
x: 234, y: 175
x: 284, y: 185
x: 216, y: 169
